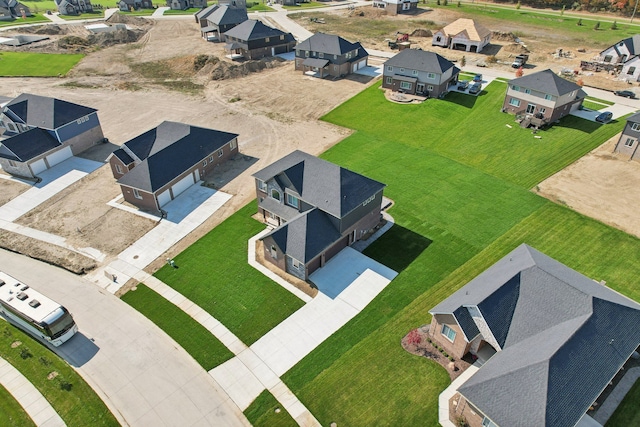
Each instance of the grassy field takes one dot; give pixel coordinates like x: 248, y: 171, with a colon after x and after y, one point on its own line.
x: 23, y: 64
x: 309, y: 5
x: 262, y: 412
x: 36, y: 18
x: 68, y: 394
x: 92, y: 15
x: 198, y: 342
x: 11, y: 413
x: 214, y: 274
x: 628, y: 413
x: 190, y: 11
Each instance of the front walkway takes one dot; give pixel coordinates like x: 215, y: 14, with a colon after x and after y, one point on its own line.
x: 33, y: 402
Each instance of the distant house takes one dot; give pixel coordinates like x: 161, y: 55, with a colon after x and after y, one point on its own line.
x: 317, y: 209
x: 621, y: 51
x: 154, y: 168
x: 254, y: 40
x: 323, y: 55
x: 543, y: 96
x: 42, y: 132
x: 127, y: 5
x: 629, y: 139
x: 419, y: 72
x: 221, y: 20
x: 12, y: 9
x: 74, y: 7
x: 463, y: 34
x: 559, y: 338
x: 186, y: 4
x: 631, y: 70
x: 203, y: 13
x: 394, y: 7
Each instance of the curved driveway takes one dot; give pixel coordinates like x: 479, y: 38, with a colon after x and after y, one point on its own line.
x: 144, y: 377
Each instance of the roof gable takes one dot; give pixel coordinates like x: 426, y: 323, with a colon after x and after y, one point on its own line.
x: 546, y: 81
x: 254, y: 30
x: 472, y: 30
x: 28, y: 145
x: 328, y: 43
x: 225, y: 15
x: 421, y: 60
x: 46, y: 112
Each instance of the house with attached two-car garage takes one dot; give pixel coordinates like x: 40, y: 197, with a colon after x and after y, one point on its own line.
x: 323, y: 55
x: 40, y: 132
x: 154, y: 168
x: 254, y: 40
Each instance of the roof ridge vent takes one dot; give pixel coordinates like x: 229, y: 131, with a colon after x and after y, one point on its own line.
x: 22, y: 296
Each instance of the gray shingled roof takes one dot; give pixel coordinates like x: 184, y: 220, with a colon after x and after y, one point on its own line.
x: 225, y: 15
x: 329, y: 44
x: 123, y: 156
x: 329, y: 187
x: 203, y: 13
x: 635, y: 118
x: 632, y: 44
x: 563, y: 338
x: 306, y: 236
x: 256, y: 30
x: 422, y: 60
x: 27, y: 145
x: 546, y: 81
x: 169, y: 150
x: 45, y: 112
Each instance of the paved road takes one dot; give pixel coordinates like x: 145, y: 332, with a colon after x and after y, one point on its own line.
x: 144, y: 377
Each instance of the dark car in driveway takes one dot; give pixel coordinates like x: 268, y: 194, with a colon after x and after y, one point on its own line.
x: 477, y: 78
x: 463, y: 84
x: 625, y: 93
x: 604, y: 117
x: 475, y: 88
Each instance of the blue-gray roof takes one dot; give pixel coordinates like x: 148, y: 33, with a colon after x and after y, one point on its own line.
x: 563, y: 338
x: 45, y: 112
x: 169, y: 150
x: 421, y: 60
x: 123, y: 156
x: 320, y: 183
x: 546, y: 81
x: 256, y: 30
x: 28, y: 145
x: 226, y: 15
x: 634, y: 118
x: 329, y: 44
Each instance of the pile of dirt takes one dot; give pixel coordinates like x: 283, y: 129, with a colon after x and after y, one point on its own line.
x: 73, y: 43
x: 119, y: 36
x: 118, y: 18
x: 515, y: 48
x: 421, y: 32
x: 49, y: 29
x: 503, y: 37
x: 225, y: 70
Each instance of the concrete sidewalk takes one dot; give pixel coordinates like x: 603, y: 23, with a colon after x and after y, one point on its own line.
x: 33, y: 402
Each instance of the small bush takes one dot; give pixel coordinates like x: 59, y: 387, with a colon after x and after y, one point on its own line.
x: 518, y: 5
x: 44, y: 361
x: 579, y: 23
x: 463, y: 61
x: 459, y: 4
x: 445, y: 2
x: 614, y: 26
x: 597, y: 26
x: 25, y: 353
x: 451, y: 358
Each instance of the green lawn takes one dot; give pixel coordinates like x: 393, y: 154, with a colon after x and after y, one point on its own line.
x: 214, y: 273
x: 93, y: 15
x: 41, y: 6
x: 628, y: 413
x: 190, y: 11
x: 23, y: 64
x: 309, y: 5
x: 140, y: 12
x: 36, y: 18
x: 11, y: 413
x: 260, y: 7
x: 198, y: 342
x: 262, y: 412
x: 68, y: 394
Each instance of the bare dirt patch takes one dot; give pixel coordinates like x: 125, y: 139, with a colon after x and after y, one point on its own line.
x: 10, y: 189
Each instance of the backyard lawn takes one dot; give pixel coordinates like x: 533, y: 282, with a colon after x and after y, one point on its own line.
x: 23, y: 64
x: 29, y: 20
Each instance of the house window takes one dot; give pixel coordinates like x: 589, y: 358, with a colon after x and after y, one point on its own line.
x: 573, y: 94
x: 486, y: 422
x: 210, y: 158
x: 429, y: 87
x: 274, y: 252
x: 548, y: 97
x: 292, y: 200
x: 136, y: 194
x: 296, y: 264
x: 233, y: 144
x: 514, y: 102
x: 516, y: 88
x: 262, y: 186
x: 438, y: 38
x: 542, y: 110
x: 635, y: 126
x: 531, y: 108
x: 389, y: 80
x: 266, y: 40
x: 12, y: 163
x: 431, y: 76
x: 118, y: 169
x: 320, y: 55
x: 281, y: 37
x: 204, y: 163
x: 414, y: 72
x: 306, y: 53
x: 389, y: 68
x: 527, y: 91
x: 313, y: 53
x: 608, y: 58
x: 631, y: 70
x: 448, y: 332
x: 220, y: 152
x: 11, y: 127
x: 405, y: 85
x: 275, y: 194
x: 335, y: 56
x: 629, y: 142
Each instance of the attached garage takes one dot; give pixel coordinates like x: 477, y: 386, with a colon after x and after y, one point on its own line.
x: 182, y: 185
x: 59, y: 156
x: 38, y: 166
x: 164, y: 198
x: 359, y: 65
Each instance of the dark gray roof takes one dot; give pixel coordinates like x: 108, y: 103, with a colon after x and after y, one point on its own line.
x: 225, y: 15
x: 329, y: 44
x: 256, y: 30
x: 546, y: 81
x: 315, y: 62
x: 632, y: 44
x: 27, y: 145
x: 634, y: 118
x: 327, y: 186
x: 421, y: 60
x: 169, y: 150
x: 563, y: 338
x: 305, y: 236
x: 45, y: 112
x: 203, y: 13
x: 123, y: 156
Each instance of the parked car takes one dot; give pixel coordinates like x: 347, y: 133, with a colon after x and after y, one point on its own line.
x: 463, y: 84
x: 604, y: 117
x: 477, y: 78
x: 475, y: 88
x: 625, y: 94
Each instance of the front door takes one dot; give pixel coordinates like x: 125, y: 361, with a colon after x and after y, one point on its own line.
x: 531, y: 108
x: 420, y: 87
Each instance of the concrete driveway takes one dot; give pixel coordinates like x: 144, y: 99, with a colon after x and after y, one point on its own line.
x: 144, y: 377
x: 618, y: 111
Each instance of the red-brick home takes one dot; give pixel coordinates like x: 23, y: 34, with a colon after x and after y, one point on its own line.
x: 154, y: 168
x: 559, y: 339
x: 317, y: 208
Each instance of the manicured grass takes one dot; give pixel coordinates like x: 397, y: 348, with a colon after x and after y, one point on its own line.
x: 36, y: 18
x: 260, y: 7
x: 190, y: 11
x: 68, y: 394
x: 11, y: 413
x: 628, y: 413
x: 141, y: 12
x: 41, y: 6
x: 23, y: 64
x: 198, y: 341
x: 93, y: 15
x: 262, y: 412
x: 598, y: 100
x: 593, y: 105
x: 214, y: 273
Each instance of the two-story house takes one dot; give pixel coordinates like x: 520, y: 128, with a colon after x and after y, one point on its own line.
x: 74, y: 7
x: 419, y: 72
x: 621, y: 51
x: 629, y: 139
x: 155, y: 167
x: 317, y: 209
x: 220, y: 20
x: 254, y: 40
x: 462, y: 34
x: 323, y: 55
x: 186, y: 4
x: 394, y: 7
x: 551, y: 340
x: 42, y: 132
x: 12, y: 9
x: 543, y: 97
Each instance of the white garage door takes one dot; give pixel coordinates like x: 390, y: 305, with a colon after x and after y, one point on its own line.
x: 38, y: 166
x: 59, y: 156
x: 164, y: 198
x: 182, y: 185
